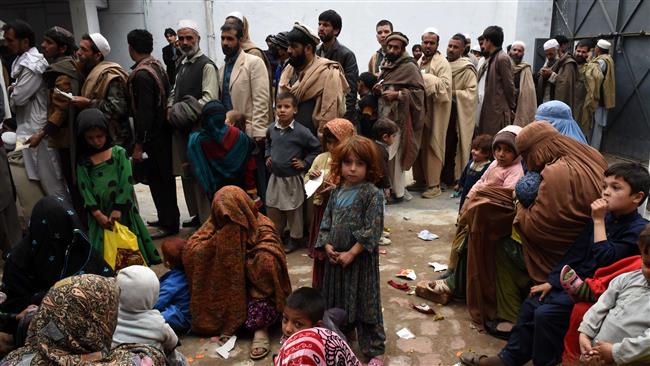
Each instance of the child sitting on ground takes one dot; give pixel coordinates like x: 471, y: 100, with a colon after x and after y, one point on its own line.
x: 137, y: 321
x: 368, y: 104
x: 290, y: 150
x: 305, y: 308
x: 174, y: 298
x: 476, y: 166
x: 616, y: 330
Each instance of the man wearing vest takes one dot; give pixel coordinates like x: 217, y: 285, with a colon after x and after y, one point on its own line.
x: 607, y: 90
x: 148, y: 87
x: 196, y: 77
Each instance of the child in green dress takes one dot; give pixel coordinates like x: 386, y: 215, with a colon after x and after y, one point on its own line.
x: 106, y: 185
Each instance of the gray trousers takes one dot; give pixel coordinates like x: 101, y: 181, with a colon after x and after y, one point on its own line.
x: 600, y: 121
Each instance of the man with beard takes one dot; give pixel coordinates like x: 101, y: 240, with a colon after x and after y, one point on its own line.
x: 498, y: 105
x: 463, y: 102
x: 196, y: 77
x: 279, y: 44
x: 170, y: 55
x: 28, y: 99
x: 401, y: 92
x: 556, y: 79
x: 104, y: 87
x: 58, y: 47
x: 524, y: 85
x: 148, y: 87
x: 243, y: 85
x: 329, y: 28
x: 382, y: 29
x: 318, y: 83
x: 436, y: 74
x: 607, y: 92
x: 588, y: 82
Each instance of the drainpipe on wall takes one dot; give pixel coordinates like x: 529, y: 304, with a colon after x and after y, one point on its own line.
x: 209, y: 23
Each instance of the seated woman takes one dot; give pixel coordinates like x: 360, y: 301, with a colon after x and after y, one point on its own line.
x: 55, y: 247
x: 558, y: 114
x: 309, y: 346
x: 237, y: 271
x: 70, y: 329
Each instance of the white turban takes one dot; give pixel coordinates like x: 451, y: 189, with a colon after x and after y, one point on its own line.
x: 551, y: 43
x: 101, y: 43
x: 520, y: 43
x: 188, y: 23
x: 430, y: 30
x: 603, y: 44
x: 236, y: 14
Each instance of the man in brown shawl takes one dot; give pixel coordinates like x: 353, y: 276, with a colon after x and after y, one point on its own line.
x: 318, y: 83
x: 588, y: 82
x: 498, y: 107
x: 607, y: 92
x: 104, y: 87
x: 524, y: 85
x: 402, y: 100
x: 464, y: 100
x: 436, y: 74
x: 557, y: 78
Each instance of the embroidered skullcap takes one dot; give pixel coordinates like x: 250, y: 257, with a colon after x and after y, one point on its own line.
x: 101, y: 43
x: 551, y: 43
x: 189, y: 24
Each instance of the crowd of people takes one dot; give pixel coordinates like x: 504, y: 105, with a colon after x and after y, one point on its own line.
x: 545, y: 252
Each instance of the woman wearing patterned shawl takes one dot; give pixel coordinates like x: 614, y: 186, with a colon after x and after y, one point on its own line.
x: 70, y: 329
x: 316, y: 346
x: 237, y: 271
x: 220, y: 154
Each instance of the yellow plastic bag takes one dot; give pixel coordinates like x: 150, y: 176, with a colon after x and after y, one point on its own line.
x: 121, y: 247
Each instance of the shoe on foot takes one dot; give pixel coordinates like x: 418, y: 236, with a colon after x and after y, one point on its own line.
x: 193, y: 222
x: 395, y: 200
x: 292, y: 245
x: 570, y: 282
x: 153, y: 223
x: 385, y: 234
x: 417, y: 187
x: 384, y: 241
x: 432, y: 192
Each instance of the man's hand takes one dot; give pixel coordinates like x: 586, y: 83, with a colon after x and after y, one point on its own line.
x: 116, y: 215
x: 332, y: 254
x: 137, y: 152
x: 542, y: 289
x: 35, y: 139
x: 102, y: 220
x: 604, y: 349
x: 546, y: 72
x: 377, y: 89
x: 80, y: 102
x: 297, y: 164
x: 599, y: 209
x: 268, y: 163
x: 585, y: 343
x: 390, y: 95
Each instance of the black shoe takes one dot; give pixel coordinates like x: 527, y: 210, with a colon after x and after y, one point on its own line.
x: 163, y: 233
x: 193, y: 222
x: 291, y: 246
x: 395, y: 200
x: 153, y: 223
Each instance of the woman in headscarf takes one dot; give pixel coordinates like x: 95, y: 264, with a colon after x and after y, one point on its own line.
x: 55, y: 247
x: 334, y: 132
x: 71, y: 329
x: 558, y: 114
x: 219, y: 154
x: 236, y: 270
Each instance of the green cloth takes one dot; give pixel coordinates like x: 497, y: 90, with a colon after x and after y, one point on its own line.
x: 108, y: 186
x: 457, y: 281
x: 513, y: 282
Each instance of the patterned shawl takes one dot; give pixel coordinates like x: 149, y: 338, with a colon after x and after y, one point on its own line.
x: 316, y: 346
x: 70, y: 329
x: 235, y: 257
x: 218, y: 152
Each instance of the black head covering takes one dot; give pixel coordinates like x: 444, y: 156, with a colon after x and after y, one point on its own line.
x: 55, y: 247
x: 62, y: 37
x: 87, y: 120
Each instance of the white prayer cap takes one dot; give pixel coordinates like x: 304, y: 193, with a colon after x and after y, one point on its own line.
x: 476, y: 48
x: 520, y: 43
x: 467, y: 35
x: 9, y: 139
x: 236, y: 14
x: 551, y: 43
x: 101, y: 43
x: 603, y: 44
x: 189, y: 24
x: 430, y: 30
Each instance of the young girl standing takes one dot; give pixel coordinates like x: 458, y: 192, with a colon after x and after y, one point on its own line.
x: 334, y: 132
x: 349, y: 233
x: 106, y: 185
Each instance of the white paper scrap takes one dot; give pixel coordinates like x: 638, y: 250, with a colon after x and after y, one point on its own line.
x: 224, y: 351
x: 427, y: 235
x: 312, y: 185
x: 405, y: 333
x: 438, y: 267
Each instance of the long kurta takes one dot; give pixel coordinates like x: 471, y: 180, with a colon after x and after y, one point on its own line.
x: 526, y: 99
x: 499, y: 94
x: 588, y: 82
x: 108, y: 186
x: 465, y: 104
x: 561, y: 83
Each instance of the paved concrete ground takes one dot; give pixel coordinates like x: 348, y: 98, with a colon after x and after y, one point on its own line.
x: 436, y: 342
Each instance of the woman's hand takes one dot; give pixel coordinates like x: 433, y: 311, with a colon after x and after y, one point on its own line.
x: 332, y: 254
x: 315, y: 174
x: 102, y: 220
x: 543, y: 289
x: 345, y: 258
x: 115, y: 216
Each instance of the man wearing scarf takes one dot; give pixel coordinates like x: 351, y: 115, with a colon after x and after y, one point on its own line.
x: 318, y: 83
x: 557, y: 78
x: 58, y: 47
x: 498, y: 104
x: 588, y: 82
x: 402, y: 100
x: 28, y: 99
x: 104, y: 87
x: 436, y: 74
x: 607, y: 92
x: 464, y: 98
x: 148, y: 87
x: 524, y: 85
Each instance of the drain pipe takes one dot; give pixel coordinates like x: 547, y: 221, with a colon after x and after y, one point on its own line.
x: 209, y: 23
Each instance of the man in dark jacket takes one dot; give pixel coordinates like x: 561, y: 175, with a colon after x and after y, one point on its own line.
x: 329, y: 28
x: 148, y: 87
x: 170, y: 55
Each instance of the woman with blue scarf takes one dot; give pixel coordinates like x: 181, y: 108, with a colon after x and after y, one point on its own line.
x: 559, y: 115
x: 220, y: 154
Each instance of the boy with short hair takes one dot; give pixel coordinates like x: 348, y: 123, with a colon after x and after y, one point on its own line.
x: 305, y: 308
x: 612, y: 235
x: 238, y: 120
x: 384, y: 132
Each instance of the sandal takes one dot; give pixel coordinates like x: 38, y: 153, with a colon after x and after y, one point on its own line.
x: 570, y: 281
x: 471, y: 358
x: 440, y: 292
x: 260, y: 343
x: 492, y: 327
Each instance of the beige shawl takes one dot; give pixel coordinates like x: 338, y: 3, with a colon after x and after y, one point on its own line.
x: 466, y: 99
x: 436, y: 74
x: 527, y: 99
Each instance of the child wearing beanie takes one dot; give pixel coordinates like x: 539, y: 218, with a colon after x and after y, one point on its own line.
x: 174, y: 300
